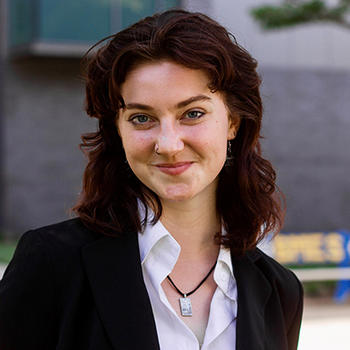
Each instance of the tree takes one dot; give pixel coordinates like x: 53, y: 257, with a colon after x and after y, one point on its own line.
x: 294, y: 12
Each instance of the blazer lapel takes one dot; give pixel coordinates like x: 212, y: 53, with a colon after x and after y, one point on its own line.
x: 253, y: 292
x: 114, y: 271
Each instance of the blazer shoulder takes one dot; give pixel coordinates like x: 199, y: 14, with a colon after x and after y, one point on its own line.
x: 70, y: 232
x: 44, y: 271
x: 58, y: 245
x: 286, y: 285
x: 275, y: 272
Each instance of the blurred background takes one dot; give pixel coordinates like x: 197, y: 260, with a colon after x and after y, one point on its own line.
x: 303, y: 51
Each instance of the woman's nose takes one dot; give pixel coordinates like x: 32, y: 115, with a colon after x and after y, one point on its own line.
x: 169, y: 141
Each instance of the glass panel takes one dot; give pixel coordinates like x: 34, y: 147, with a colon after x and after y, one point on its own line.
x: 22, y: 19
x: 133, y: 10
x: 74, y: 20
x: 171, y: 3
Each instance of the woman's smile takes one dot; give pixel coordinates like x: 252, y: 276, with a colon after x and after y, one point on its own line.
x: 174, y: 168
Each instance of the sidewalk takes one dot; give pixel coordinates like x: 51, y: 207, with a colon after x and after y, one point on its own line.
x: 325, y: 326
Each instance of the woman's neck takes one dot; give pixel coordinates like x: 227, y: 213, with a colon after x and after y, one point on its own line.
x: 193, y: 224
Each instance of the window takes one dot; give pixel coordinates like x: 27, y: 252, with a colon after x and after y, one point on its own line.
x: 66, y: 27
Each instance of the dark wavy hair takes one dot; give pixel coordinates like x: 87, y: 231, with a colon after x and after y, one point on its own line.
x: 248, y: 199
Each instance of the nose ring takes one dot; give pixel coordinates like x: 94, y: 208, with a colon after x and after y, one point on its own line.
x: 156, y: 148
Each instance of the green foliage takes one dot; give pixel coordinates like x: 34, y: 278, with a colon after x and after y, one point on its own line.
x: 287, y: 14
x: 6, y: 252
x: 316, y: 288
x: 319, y: 288
x: 290, y: 13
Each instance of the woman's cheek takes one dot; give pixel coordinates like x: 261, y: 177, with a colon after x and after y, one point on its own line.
x: 140, y: 142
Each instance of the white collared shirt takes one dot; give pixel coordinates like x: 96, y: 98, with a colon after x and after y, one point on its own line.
x: 159, y: 252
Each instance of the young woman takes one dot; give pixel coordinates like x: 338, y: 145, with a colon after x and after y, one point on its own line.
x: 176, y: 196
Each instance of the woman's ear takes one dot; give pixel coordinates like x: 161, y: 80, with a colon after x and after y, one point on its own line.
x: 116, y: 122
x: 233, y: 126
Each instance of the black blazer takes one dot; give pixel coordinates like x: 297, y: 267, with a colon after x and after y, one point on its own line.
x: 70, y: 288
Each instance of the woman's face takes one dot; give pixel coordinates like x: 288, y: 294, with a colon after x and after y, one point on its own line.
x: 169, y: 108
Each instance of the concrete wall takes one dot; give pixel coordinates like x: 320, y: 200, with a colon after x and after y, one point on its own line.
x: 307, y: 130
x: 204, y: 6
x: 44, y: 118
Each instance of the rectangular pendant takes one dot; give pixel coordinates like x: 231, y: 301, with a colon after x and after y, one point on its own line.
x: 185, y: 306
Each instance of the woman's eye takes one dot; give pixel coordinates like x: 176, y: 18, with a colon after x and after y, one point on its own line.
x: 140, y: 119
x: 194, y: 114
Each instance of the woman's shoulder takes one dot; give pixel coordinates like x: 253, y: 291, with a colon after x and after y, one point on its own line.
x: 54, y: 245
x: 284, y: 282
x: 45, y: 271
x: 287, y: 291
x: 275, y: 272
x: 69, y: 233
x: 50, y: 256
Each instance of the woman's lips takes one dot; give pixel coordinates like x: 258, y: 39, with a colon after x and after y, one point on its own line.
x: 175, y: 168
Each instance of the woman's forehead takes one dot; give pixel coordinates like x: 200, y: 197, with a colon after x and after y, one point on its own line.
x: 164, y: 77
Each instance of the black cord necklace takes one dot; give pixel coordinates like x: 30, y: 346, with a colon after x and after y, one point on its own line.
x: 185, y: 302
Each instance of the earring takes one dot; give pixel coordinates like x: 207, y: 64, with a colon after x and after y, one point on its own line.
x: 229, y: 155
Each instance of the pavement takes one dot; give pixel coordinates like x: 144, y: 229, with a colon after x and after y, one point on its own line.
x: 325, y: 325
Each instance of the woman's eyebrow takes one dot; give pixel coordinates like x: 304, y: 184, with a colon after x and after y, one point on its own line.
x: 181, y: 104
x: 193, y: 99
x: 137, y: 106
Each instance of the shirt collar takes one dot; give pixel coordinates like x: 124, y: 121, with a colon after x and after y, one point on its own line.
x: 160, y: 251
x: 150, y: 237
x: 223, y: 274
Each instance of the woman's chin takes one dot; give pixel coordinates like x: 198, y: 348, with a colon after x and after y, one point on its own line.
x: 178, y: 192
